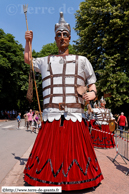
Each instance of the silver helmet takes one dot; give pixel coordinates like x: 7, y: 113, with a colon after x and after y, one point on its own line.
x: 102, y: 100
x: 95, y: 105
x: 62, y: 25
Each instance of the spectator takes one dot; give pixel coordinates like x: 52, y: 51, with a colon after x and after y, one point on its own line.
x: 39, y: 125
x: 13, y: 113
x: 19, y: 119
x: 10, y: 112
x: 29, y: 121
x: 35, y: 120
x: 26, y: 119
x: 122, y: 121
x: 2, y: 114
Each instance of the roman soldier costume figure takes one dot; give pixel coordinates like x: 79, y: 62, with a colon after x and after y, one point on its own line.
x: 93, y: 117
x: 63, y: 153
x: 101, y: 135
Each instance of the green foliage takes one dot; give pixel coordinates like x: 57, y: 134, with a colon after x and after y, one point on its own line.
x: 48, y: 49
x: 51, y: 49
x: 13, y: 73
x: 114, y: 82
x: 102, y: 26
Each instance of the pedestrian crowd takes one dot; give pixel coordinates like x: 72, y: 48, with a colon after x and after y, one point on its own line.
x: 32, y: 120
x: 8, y: 114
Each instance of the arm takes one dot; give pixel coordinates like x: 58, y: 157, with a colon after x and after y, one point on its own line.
x: 27, y: 52
x: 91, y: 94
x: 34, y: 117
x: 118, y: 119
x: 126, y: 122
x: 89, y: 109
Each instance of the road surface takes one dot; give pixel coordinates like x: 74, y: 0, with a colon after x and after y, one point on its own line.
x: 13, y: 144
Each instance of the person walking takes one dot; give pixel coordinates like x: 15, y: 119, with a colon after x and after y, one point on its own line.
x: 35, y: 121
x: 29, y: 119
x: 26, y: 119
x: 122, y: 122
x: 13, y: 113
x: 19, y: 119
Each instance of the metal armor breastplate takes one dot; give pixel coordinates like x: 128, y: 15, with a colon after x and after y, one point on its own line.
x: 103, y: 116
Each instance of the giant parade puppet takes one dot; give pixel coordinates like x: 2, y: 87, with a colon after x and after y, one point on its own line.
x: 63, y: 154
x: 102, y: 126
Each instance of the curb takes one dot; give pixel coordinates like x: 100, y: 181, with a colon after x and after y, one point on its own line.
x: 13, y: 176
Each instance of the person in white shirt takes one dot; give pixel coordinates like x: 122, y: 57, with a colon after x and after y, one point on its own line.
x: 63, y: 154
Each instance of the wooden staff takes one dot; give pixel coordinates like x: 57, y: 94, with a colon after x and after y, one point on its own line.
x: 31, y: 62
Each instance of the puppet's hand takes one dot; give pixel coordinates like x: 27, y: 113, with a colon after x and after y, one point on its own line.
x: 29, y: 35
x: 89, y: 96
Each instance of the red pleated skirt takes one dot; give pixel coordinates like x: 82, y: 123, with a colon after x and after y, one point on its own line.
x: 102, y: 137
x: 63, y: 156
x: 92, y: 122
x: 88, y: 123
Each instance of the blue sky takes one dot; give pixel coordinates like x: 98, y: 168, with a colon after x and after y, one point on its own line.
x: 42, y: 16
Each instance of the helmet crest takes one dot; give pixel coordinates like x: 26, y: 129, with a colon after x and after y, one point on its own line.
x: 62, y: 25
x: 102, y: 100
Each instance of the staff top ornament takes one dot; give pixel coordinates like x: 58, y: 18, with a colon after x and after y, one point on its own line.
x: 62, y: 25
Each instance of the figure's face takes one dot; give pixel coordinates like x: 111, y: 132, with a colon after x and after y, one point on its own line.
x: 102, y: 104
x: 62, y: 39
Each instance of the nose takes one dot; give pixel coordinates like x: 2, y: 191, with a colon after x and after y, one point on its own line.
x: 62, y: 36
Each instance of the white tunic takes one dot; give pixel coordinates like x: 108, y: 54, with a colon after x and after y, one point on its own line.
x: 84, y: 70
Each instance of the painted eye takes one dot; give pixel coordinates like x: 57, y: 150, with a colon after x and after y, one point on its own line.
x: 65, y: 34
x: 58, y: 34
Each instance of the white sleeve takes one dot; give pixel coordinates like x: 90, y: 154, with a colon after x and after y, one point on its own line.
x: 89, y: 72
x: 37, y: 62
x: 111, y: 115
x: 95, y: 110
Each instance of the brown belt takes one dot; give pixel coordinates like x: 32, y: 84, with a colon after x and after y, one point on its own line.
x: 61, y: 106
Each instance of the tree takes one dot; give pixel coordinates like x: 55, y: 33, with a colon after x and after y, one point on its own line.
x: 102, y: 26
x: 13, y: 73
x: 52, y: 49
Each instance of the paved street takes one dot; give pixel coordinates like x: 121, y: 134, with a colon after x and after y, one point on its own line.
x: 115, y: 179
x: 13, y: 144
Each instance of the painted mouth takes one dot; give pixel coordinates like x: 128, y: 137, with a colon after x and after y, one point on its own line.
x: 62, y: 43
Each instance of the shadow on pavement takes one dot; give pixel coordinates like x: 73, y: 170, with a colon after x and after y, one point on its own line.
x: 118, y: 166
x: 28, y: 130
x: 22, y: 160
